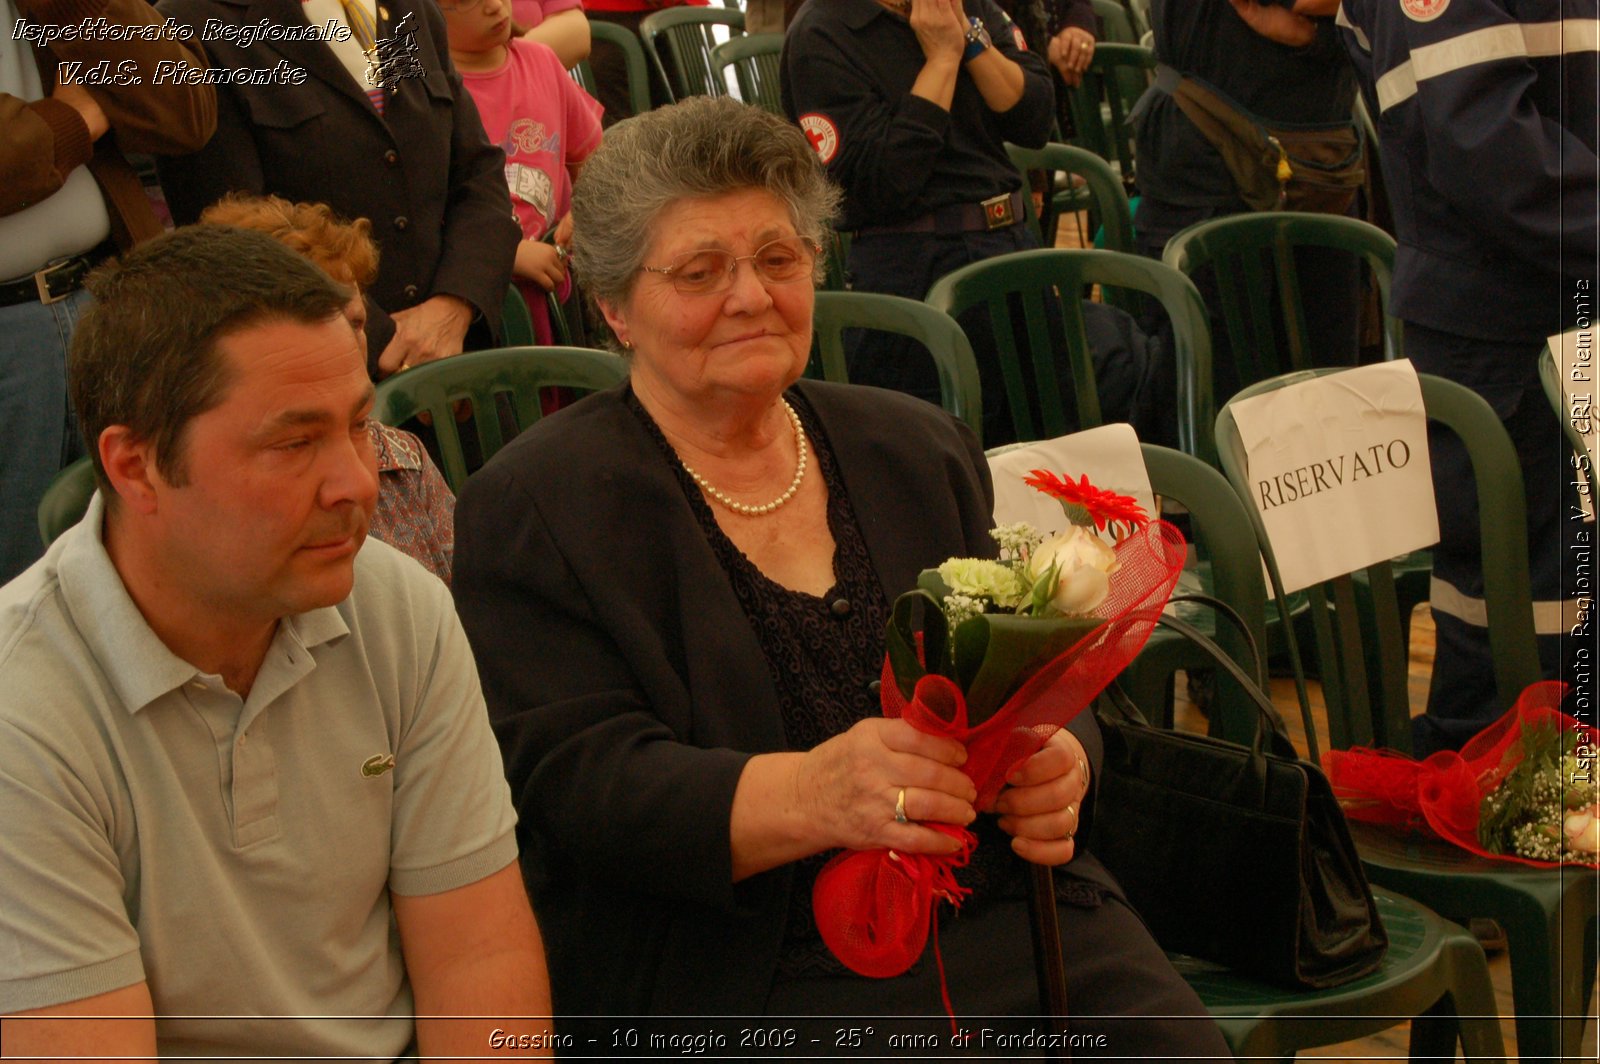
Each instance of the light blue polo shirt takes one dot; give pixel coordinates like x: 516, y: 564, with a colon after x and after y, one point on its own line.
x: 236, y: 855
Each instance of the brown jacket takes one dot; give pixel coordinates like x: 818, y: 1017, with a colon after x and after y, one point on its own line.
x: 43, y: 141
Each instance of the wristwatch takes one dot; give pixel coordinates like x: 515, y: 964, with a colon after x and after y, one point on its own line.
x: 978, y: 40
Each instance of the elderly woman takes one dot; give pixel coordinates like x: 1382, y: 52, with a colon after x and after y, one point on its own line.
x: 676, y: 591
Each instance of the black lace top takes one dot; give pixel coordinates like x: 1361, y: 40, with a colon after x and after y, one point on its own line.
x: 825, y: 656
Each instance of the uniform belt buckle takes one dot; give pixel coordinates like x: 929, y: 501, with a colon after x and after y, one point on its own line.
x: 42, y: 279
x: 998, y: 211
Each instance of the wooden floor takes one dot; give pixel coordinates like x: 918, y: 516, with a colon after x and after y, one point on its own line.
x: 1390, y: 1044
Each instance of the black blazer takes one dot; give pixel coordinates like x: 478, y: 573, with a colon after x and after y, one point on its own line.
x: 424, y: 172
x: 628, y: 691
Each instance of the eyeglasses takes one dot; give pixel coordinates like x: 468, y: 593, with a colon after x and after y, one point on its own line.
x: 705, y: 272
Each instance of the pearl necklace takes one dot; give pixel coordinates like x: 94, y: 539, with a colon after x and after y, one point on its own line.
x: 747, y: 509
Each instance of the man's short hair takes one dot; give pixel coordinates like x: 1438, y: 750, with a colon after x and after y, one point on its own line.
x: 145, y: 354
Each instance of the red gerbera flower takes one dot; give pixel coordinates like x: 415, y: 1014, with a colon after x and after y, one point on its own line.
x: 1102, y: 507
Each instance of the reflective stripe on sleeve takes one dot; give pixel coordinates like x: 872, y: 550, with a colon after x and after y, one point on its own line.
x: 1550, y: 617
x: 1530, y: 40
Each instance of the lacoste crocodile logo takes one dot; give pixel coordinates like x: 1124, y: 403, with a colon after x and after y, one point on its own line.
x: 377, y: 765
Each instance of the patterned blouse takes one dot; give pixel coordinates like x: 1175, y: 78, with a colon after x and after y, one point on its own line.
x: 416, y: 512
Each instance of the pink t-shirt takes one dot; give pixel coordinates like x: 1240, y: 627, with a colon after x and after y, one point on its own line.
x: 542, y: 120
x: 529, y: 13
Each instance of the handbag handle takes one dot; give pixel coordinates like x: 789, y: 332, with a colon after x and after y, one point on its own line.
x: 1269, y: 723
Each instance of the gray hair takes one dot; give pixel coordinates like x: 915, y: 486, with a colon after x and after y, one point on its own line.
x: 704, y: 146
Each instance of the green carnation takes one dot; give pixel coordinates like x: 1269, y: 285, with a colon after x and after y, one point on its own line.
x: 981, y: 578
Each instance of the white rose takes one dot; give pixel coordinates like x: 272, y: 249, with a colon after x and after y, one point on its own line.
x: 1582, y: 829
x: 1084, y: 565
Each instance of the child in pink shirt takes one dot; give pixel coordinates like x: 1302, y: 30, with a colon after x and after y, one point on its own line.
x: 543, y: 121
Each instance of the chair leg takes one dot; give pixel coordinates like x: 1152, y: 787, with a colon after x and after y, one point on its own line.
x: 1433, y: 1034
x: 1533, y: 938
x: 1578, y: 959
x: 1471, y: 1001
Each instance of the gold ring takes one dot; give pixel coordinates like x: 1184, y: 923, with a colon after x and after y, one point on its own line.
x: 1085, y: 45
x: 900, y: 808
x: 1072, y: 807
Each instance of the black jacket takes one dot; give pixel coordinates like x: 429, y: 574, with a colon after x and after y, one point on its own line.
x: 628, y: 690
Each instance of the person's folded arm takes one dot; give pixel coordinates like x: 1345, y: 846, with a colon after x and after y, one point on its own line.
x: 145, y: 117
x: 567, y: 34
x: 1014, y: 83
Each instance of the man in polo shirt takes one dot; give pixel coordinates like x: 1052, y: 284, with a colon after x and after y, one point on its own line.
x: 244, y: 758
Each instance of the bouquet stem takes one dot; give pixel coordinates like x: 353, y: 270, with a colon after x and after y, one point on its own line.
x: 1047, y: 962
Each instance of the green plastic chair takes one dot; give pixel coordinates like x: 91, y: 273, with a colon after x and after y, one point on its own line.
x: 516, y: 323
x: 1032, y: 280
x: 1116, y: 22
x: 1251, y: 256
x: 754, y: 60
x: 633, y: 58
x: 479, y: 378
x: 1117, y: 76
x: 1550, y: 917
x: 1434, y: 975
x: 1139, y: 10
x: 66, y: 500
x: 1228, y: 566
x: 938, y: 332
x: 1550, y: 377
x: 1101, y: 193
x: 690, y: 33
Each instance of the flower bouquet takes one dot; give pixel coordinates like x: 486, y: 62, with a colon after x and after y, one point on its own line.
x: 998, y: 654
x: 1523, y: 789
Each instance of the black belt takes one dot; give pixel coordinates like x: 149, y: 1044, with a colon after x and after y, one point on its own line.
x: 56, y: 281
x: 997, y: 212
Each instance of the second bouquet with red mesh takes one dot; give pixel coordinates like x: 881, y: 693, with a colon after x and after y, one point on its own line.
x: 998, y: 654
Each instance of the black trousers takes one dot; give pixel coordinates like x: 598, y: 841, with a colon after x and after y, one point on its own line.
x: 1462, y: 698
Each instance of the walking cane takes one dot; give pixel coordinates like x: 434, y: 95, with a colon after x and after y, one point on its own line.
x: 1047, y: 963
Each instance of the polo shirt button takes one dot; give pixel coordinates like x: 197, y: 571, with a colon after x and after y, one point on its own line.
x: 391, y: 157
x: 840, y: 607
x: 410, y: 292
x: 401, y: 222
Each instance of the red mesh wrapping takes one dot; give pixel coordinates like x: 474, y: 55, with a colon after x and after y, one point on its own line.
x: 874, y: 907
x: 1443, y: 792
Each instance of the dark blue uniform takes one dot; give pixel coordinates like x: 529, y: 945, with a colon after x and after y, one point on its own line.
x: 1486, y: 117
x: 913, y: 174
x: 1183, y: 180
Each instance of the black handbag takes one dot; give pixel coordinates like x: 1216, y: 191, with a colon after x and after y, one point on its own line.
x: 1235, y: 854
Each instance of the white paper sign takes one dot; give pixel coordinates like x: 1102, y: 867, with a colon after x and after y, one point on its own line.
x: 1577, y: 364
x: 1338, y: 467
x: 1109, y: 456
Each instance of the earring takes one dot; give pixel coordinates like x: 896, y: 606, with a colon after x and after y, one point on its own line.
x: 627, y: 345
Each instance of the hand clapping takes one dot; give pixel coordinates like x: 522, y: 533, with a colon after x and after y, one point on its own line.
x: 941, y: 28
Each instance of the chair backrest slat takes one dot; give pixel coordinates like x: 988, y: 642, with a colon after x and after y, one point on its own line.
x: 478, y: 377
x: 1060, y: 275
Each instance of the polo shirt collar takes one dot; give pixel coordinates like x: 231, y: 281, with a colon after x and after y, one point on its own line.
x: 855, y: 14
x: 137, y: 664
